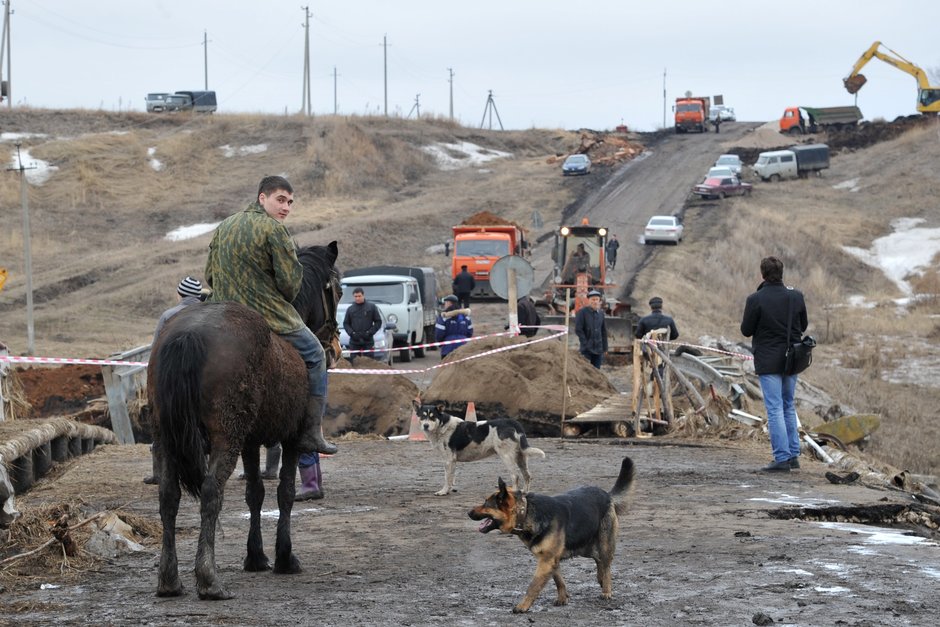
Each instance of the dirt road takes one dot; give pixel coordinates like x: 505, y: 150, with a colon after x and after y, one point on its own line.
x: 701, y: 545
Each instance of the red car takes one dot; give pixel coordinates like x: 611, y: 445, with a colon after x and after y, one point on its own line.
x: 721, y: 187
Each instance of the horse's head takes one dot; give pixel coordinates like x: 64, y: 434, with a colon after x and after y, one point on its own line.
x: 318, y: 298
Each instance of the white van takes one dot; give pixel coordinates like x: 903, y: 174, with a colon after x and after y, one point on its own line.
x: 776, y: 165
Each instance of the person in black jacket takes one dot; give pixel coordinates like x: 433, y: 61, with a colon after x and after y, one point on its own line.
x: 591, y: 329
x: 362, y: 321
x: 775, y: 316
x: 463, y: 285
x: 527, y: 316
x: 656, y: 320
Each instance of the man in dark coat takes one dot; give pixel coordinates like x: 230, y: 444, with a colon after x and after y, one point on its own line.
x: 656, y: 320
x: 362, y: 322
x: 766, y: 315
x: 591, y: 329
x: 613, y: 244
x: 463, y: 285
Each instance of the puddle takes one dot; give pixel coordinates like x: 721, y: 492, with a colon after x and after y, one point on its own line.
x: 273, y: 513
x: 879, y: 535
x: 786, y: 499
x: 914, y: 523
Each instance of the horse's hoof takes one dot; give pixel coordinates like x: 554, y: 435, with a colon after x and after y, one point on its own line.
x: 292, y: 567
x: 216, y: 593
x: 170, y: 591
x: 256, y: 565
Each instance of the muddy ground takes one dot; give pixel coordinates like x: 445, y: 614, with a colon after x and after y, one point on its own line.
x: 703, y: 543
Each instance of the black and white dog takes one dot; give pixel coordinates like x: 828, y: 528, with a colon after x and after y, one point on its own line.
x: 461, y: 441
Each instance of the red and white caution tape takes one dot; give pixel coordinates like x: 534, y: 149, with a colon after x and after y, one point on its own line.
x: 13, y: 359
x: 743, y: 356
x: 428, y: 345
x: 559, y: 331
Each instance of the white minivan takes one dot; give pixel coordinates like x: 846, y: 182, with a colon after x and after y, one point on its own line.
x: 776, y: 165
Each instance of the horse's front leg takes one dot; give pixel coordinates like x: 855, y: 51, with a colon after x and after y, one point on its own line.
x: 169, y: 584
x: 284, y: 560
x: 221, y: 465
x: 256, y: 560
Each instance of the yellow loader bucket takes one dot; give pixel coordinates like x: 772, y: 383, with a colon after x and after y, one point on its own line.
x: 619, y: 332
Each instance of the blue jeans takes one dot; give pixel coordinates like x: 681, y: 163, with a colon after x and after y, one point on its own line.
x: 778, y: 393
x: 312, y: 353
x: 595, y: 359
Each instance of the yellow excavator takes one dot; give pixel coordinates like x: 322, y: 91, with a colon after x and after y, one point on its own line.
x: 3, y: 277
x: 928, y: 96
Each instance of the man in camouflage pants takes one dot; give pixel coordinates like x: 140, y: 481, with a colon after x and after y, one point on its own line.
x: 253, y: 261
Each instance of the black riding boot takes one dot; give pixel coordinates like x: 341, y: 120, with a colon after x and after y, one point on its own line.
x: 271, y: 461
x: 312, y: 439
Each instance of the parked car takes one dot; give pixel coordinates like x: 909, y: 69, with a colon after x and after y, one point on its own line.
x: 726, y: 113
x: 576, y: 164
x: 732, y: 162
x: 721, y: 187
x: 384, y: 338
x: 663, y: 229
x: 156, y: 102
x: 718, y: 172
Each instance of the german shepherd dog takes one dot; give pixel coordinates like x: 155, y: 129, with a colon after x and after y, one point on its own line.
x: 461, y: 441
x: 579, y: 523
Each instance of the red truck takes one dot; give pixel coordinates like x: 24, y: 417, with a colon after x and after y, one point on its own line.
x: 692, y: 113
x: 479, y: 246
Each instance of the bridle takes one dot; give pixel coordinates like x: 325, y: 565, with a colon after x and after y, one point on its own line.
x: 328, y: 333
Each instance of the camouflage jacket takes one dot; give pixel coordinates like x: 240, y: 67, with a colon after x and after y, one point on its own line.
x: 253, y: 261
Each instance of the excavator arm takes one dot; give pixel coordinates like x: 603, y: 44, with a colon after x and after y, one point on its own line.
x: 928, y: 97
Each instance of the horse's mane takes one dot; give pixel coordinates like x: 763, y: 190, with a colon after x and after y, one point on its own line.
x: 317, y: 262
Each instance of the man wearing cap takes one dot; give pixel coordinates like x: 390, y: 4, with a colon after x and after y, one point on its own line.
x: 453, y: 323
x: 591, y: 329
x: 463, y: 285
x: 188, y: 292
x: 656, y: 320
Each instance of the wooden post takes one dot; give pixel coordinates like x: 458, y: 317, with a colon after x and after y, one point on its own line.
x: 637, y: 383
x: 564, y: 363
x: 513, y: 313
x: 3, y: 376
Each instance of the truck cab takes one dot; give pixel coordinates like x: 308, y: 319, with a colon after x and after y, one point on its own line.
x: 479, y: 247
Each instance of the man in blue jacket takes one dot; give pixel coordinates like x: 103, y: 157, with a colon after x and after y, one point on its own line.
x: 766, y: 314
x: 591, y: 329
x: 452, y: 324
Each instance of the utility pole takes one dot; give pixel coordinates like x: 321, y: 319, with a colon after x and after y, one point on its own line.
x: 28, y: 258
x: 6, y: 87
x: 205, y: 57
x: 385, y: 69
x: 491, y: 109
x: 335, y: 105
x: 416, y: 106
x: 664, y: 98
x: 306, y: 106
x: 451, y: 81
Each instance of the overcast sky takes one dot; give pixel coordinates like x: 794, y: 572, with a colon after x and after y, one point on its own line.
x: 549, y: 63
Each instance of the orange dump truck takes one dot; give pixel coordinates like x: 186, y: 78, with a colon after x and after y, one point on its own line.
x: 479, y: 246
x: 692, y: 114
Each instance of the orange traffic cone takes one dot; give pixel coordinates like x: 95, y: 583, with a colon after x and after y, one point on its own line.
x: 415, y: 432
x: 471, y: 412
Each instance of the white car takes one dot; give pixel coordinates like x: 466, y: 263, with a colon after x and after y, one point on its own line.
x: 663, y: 229
x: 726, y: 113
x: 732, y: 162
x: 719, y: 172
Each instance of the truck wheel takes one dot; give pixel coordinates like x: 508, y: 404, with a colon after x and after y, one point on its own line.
x: 721, y: 195
x: 774, y: 178
x: 419, y: 351
x: 404, y: 354
x: 747, y: 192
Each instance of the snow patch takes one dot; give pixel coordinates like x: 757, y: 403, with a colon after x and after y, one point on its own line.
x: 878, y: 535
x: 191, y: 231
x: 13, y: 137
x: 851, y: 185
x: 445, y: 155
x: 231, y: 151
x: 155, y: 163
x: 40, y: 170
x: 909, y: 250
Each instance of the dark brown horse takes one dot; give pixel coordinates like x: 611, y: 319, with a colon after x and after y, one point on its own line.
x: 222, y: 384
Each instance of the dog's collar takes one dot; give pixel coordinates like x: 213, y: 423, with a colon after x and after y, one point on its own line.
x: 521, y: 508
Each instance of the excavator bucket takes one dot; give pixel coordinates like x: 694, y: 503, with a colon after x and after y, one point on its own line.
x: 854, y: 83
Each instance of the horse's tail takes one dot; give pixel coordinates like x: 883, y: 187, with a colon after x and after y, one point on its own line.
x: 178, y: 397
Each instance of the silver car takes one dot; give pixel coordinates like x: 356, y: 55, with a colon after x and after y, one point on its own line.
x: 732, y: 162
x: 663, y: 229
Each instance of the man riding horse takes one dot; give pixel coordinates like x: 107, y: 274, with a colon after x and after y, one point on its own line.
x: 253, y: 261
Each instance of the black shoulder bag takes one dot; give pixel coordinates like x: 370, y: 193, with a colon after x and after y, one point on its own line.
x: 799, y: 354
